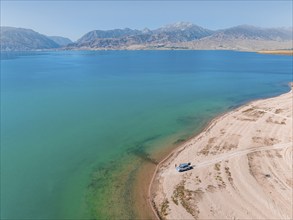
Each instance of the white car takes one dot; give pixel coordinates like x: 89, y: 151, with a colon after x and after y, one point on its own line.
x: 184, y: 167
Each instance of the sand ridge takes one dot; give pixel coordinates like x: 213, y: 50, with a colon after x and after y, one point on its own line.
x: 242, y: 167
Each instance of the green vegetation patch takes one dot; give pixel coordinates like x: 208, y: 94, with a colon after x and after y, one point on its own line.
x: 164, y: 209
x: 187, y: 198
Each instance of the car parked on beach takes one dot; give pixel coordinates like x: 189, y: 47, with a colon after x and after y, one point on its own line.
x: 184, y: 167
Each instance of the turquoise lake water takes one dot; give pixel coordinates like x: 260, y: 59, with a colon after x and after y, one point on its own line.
x: 76, y: 126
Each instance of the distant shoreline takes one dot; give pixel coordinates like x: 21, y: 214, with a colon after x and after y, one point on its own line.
x: 277, y: 52
x: 271, y: 52
x: 165, y: 177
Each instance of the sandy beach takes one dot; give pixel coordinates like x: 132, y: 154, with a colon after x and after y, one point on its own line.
x: 242, y: 167
x: 277, y: 52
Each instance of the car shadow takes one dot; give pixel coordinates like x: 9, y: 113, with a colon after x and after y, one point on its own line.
x: 190, y: 168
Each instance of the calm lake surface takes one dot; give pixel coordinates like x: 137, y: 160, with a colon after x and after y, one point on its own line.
x: 76, y: 126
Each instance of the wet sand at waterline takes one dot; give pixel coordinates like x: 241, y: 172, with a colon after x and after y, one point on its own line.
x: 242, y: 167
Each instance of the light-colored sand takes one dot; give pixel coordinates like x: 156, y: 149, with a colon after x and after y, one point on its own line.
x: 242, y: 167
x: 280, y: 52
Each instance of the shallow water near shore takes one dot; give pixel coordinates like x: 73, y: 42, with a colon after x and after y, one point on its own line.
x: 76, y: 127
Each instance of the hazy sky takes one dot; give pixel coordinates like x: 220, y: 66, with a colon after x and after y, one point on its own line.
x: 74, y: 18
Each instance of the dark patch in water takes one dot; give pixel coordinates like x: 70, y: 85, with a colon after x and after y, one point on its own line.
x: 99, y: 174
x: 139, y: 150
x: 180, y: 140
x: 128, y: 190
x: 188, y: 120
x: 154, y: 137
x: 108, y: 190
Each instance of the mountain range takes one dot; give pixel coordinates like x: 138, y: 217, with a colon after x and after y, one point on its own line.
x: 181, y: 35
x: 21, y: 39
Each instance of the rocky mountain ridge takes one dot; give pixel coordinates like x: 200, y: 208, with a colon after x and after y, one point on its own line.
x: 21, y: 39
x: 180, y: 35
x: 185, y: 35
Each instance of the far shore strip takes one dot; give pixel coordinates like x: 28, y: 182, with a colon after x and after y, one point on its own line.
x: 277, y: 52
x: 242, y: 167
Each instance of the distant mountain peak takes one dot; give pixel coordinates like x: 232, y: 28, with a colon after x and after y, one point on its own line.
x: 246, y: 26
x: 182, y: 25
x: 146, y: 30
